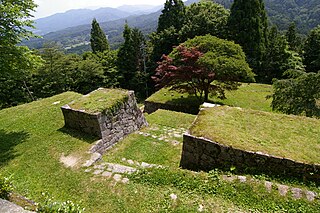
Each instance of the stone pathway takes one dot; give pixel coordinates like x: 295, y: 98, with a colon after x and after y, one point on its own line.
x: 116, y: 171
x: 168, y: 134
x: 283, y: 190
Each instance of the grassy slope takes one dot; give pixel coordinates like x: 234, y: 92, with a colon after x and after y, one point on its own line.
x: 100, y: 100
x: 293, y: 137
x: 251, y: 96
x: 32, y: 139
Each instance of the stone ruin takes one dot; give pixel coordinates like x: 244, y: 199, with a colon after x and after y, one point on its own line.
x: 110, y: 125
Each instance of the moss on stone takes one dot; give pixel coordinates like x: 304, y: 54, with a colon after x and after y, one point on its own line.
x: 101, y: 101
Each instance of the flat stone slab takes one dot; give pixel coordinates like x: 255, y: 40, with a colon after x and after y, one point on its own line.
x: 8, y: 207
x: 117, y: 168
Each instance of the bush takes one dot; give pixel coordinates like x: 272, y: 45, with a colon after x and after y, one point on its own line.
x: 299, y: 96
x: 5, y: 187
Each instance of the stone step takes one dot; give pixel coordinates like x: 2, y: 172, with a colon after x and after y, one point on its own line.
x: 283, y: 190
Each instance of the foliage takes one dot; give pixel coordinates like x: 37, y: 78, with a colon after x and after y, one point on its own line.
x: 172, y: 15
x: 294, y: 40
x: 99, y: 42
x: 298, y: 96
x: 14, y: 19
x: 248, y: 27
x: 312, y: 51
x: 279, y: 59
x: 130, y: 61
x: 6, y: 187
x: 203, y: 65
x: 204, y: 18
x: 51, y: 206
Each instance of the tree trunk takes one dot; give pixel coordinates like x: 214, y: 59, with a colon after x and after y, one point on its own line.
x: 206, y: 95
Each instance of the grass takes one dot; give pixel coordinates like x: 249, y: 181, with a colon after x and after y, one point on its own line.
x: 32, y: 140
x: 100, y: 100
x: 250, y: 96
x: 293, y: 137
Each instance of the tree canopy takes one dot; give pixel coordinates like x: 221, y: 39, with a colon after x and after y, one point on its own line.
x: 203, y: 65
x: 14, y: 19
x: 312, y: 51
x: 248, y: 27
x: 204, y: 18
x: 99, y: 42
x: 298, y: 96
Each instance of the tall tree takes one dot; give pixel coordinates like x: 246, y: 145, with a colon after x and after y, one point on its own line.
x: 172, y: 15
x: 130, y: 57
x: 204, y: 18
x: 293, y: 38
x: 16, y: 62
x: 99, y: 42
x: 203, y: 65
x: 312, y: 51
x: 248, y: 27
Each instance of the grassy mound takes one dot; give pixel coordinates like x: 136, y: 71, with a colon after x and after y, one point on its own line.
x: 100, y: 100
x: 251, y: 96
x: 292, y: 137
x: 32, y: 141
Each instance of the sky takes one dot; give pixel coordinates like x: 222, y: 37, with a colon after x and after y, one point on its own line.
x: 50, y: 7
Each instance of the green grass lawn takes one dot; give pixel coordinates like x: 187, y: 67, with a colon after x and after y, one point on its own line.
x: 293, y: 137
x: 100, y: 100
x: 250, y: 96
x: 32, y: 140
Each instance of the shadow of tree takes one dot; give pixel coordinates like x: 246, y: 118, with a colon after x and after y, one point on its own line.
x: 79, y: 135
x: 8, y: 141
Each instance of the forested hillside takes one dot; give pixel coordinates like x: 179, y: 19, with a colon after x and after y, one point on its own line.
x: 305, y: 13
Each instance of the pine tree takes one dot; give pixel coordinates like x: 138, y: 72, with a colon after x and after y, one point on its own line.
x: 173, y: 15
x: 312, y: 51
x: 293, y: 39
x: 130, y: 57
x: 248, y: 27
x: 99, y: 42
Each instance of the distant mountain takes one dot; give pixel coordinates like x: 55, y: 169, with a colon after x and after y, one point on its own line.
x: 305, y: 13
x: 75, y: 39
x: 78, y: 17
x: 139, y: 9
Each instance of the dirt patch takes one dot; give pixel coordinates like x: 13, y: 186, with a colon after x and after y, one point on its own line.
x: 69, y: 161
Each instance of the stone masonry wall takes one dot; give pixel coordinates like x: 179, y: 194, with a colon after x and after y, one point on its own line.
x: 203, y: 154
x: 109, y: 127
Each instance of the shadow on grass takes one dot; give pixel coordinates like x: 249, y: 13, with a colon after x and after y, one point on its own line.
x: 8, y: 141
x: 79, y: 135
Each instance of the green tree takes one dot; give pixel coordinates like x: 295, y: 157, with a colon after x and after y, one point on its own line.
x: 203, y: 65
x: 130, y: 62
x: 298, y: 96
x: 248, y: 26
x: 16, y: 62
x: 312, y: 51
x: 173, y: 15
x: 204, y: 18
x: 293, y: 38
x: 279, y: 59
x: 99, y: 42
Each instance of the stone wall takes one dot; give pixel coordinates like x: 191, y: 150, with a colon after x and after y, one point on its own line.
x: 150, y: 107
x: 110, y: 127
x: 203, y: 154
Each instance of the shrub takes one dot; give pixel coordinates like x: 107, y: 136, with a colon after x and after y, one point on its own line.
x: 5, y: 187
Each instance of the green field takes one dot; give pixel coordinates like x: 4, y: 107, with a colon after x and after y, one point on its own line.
x: 33, y: 140
x: 293, y: 137
x: 250, y: 96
